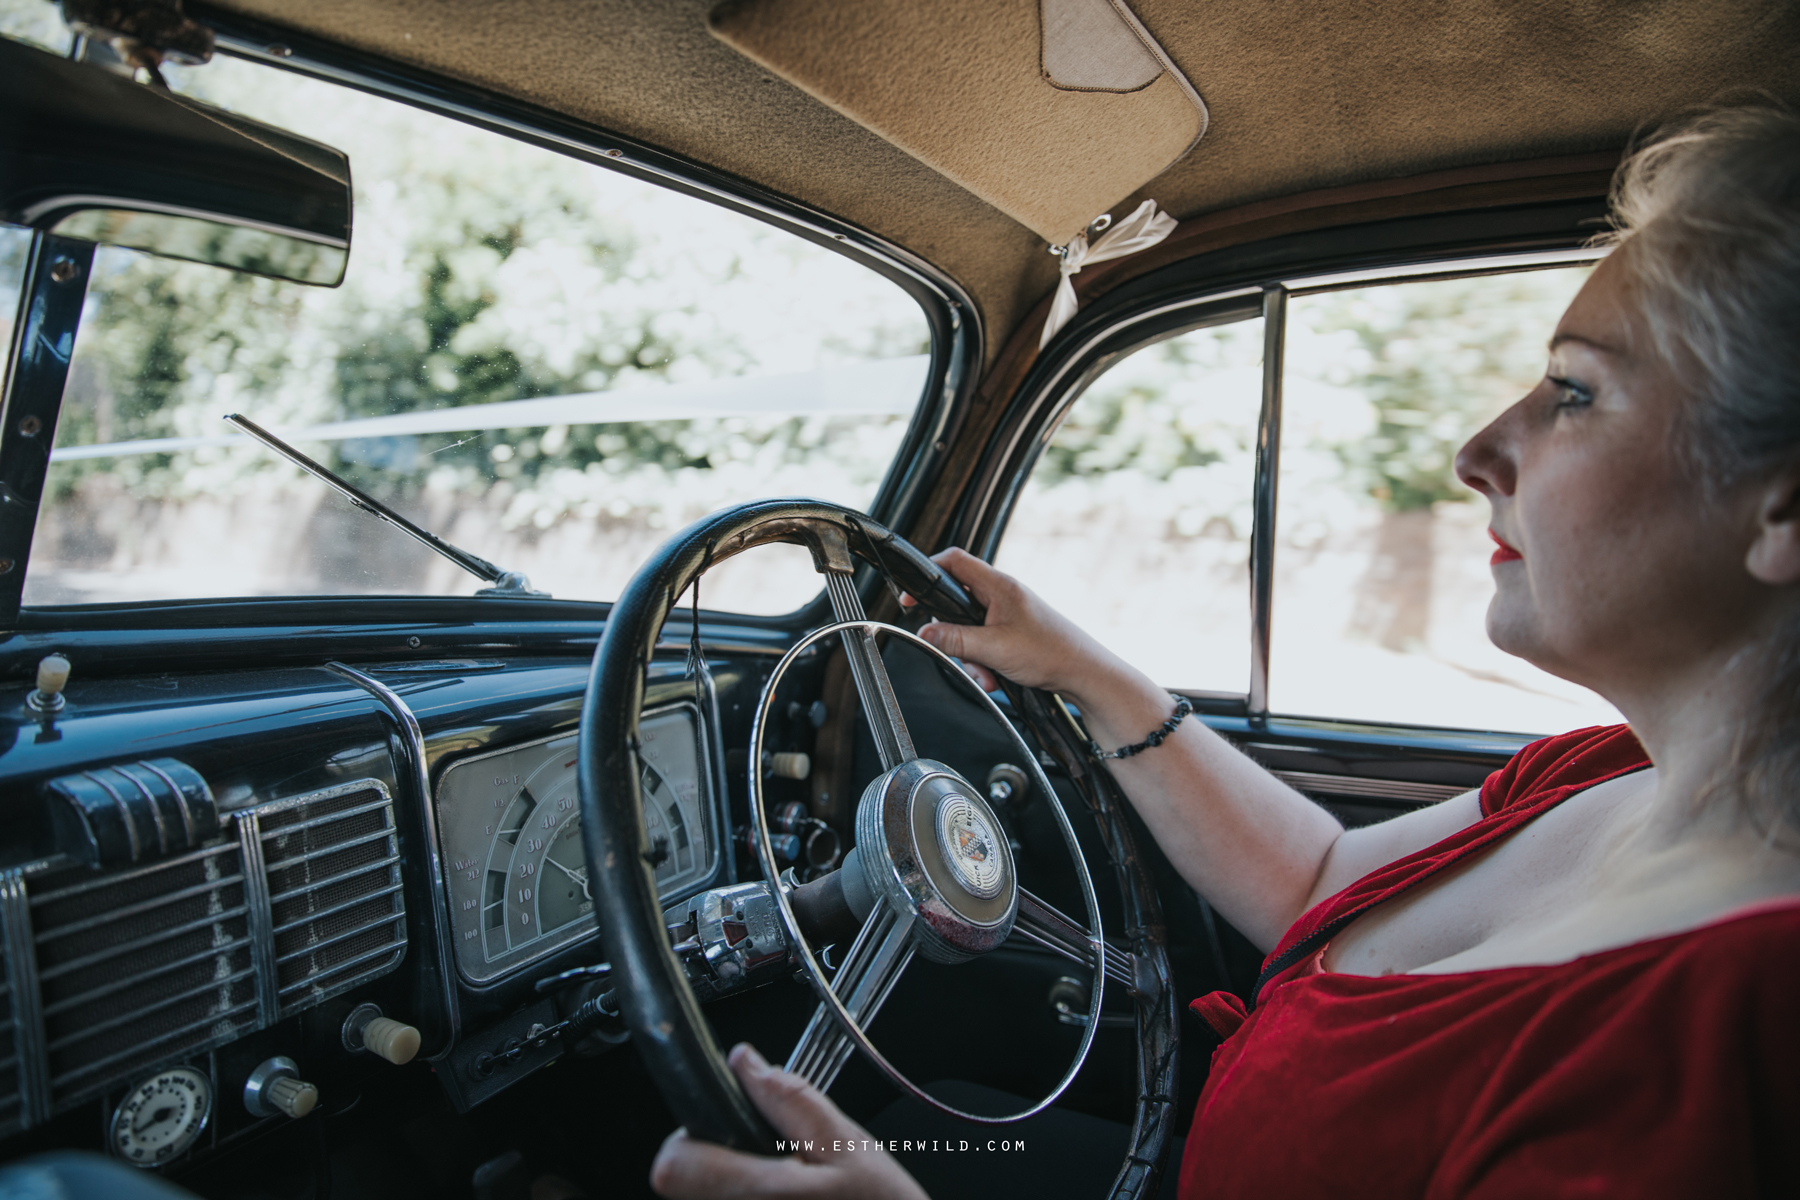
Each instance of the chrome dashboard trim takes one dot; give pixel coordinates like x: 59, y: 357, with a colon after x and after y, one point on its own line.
x: 420, y: 774
x: 30, y: 1043
x: 259, y: 915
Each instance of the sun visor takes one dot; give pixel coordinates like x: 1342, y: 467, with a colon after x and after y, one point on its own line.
x: 1052, y: 111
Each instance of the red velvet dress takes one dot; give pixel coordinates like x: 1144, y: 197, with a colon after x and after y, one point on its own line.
x: 1669, y: 1068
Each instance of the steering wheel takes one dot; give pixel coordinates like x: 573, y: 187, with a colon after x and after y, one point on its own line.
x: 931, y: 872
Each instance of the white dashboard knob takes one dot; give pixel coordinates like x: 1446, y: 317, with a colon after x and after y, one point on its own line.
x: 393, y: 1040
x: 294, y: 1097
x: 790, y: 764
x: 275, y: 1087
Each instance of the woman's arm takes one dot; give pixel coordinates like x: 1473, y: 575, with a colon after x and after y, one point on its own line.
x: 1258, y: 850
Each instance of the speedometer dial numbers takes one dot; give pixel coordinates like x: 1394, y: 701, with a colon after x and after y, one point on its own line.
x: 511, y: 827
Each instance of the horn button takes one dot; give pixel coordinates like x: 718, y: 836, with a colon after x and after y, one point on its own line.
x: 931, y: 846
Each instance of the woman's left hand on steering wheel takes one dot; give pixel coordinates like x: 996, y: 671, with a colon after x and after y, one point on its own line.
x: 838, y: 1159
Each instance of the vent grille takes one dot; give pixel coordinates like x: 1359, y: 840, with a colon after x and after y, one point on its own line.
x: 132, y: 969
x: 333, y: 870
x: 138, y: 967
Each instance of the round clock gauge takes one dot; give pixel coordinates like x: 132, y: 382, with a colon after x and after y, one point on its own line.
x: 162, y: 1116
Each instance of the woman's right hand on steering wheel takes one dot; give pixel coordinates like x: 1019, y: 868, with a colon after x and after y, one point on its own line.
x: 1023, y: 639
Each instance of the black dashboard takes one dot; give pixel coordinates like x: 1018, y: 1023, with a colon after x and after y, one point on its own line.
x: 203, y: 872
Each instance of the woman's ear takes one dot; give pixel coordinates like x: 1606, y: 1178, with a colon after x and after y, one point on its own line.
x: 1774, y: 556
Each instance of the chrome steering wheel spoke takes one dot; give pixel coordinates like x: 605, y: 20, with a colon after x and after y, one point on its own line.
x: 873, y: 687
x: 1044, y: 925
x: 872, y: 967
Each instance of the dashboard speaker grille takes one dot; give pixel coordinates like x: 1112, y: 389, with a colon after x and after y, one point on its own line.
x: 141, y: 966
x: 336, y: 909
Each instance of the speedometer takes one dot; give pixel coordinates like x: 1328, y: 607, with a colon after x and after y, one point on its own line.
x: 510, y: 826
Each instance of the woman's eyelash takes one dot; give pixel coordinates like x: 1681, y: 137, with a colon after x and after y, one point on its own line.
x: 1575, y: 395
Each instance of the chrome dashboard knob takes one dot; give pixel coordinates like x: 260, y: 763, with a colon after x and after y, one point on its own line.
x: 275, y: 1088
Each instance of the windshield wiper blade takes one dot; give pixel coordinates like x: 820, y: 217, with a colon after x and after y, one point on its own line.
x: 506, y: 583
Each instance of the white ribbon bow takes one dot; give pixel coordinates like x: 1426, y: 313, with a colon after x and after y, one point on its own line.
x: 1141, y: 230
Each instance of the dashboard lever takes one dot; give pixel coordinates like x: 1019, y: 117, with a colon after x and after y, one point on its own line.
x: 590, y: 1017
x: 555, y: 983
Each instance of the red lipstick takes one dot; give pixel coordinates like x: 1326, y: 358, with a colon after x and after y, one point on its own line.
x: 1504, y: 554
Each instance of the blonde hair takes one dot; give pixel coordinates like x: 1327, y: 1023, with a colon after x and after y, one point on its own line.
x: 1706, y: 215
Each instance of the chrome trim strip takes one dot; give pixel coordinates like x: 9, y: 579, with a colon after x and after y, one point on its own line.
x: 1382, y: 789
x: 294, y: 860
x: 334, y: 910
x: 114, y: 877
x: 28, y: 1012
x: 76, y: 1036
x: 347, y: 965
x: 187, y: 814
x: 420, y: 777
x: 1262, y: 500
x: 156, y: 813
x: 1449, y: 269
x: 107, y: 989
x: 368, y: 784
x: 382, y: 801
x: 334, y: 939
x: 331, y: 880
x: 262, y: 919
x: 132, y: 910
x: 101, y: 1064
x: 161, y: 935
x: 125, y: 817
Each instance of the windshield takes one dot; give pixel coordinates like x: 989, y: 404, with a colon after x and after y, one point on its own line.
x: 548, y: 363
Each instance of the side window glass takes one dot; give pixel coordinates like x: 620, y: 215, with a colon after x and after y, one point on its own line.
x: 1136, y: 520
x: 1381, y: 568
x: 15, y: 244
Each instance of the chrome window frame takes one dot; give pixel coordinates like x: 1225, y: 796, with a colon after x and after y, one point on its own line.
x: 1094, y: 350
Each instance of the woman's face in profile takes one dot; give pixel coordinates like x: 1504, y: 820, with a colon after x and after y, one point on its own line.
x: 1622, y: 569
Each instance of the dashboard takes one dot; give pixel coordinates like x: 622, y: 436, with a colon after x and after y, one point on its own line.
x: 213, y: 883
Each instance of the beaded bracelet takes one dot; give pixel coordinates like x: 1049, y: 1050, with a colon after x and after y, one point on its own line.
x: 1183, y: 706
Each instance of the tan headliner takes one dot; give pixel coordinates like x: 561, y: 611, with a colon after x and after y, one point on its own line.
x: 1302, y: 97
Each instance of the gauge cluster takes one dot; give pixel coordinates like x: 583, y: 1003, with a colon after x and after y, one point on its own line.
x: 510, y: 827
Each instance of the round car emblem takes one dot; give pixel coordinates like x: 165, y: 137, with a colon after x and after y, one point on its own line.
x: 969, y: 846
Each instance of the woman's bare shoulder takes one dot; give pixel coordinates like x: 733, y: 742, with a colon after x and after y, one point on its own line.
x: 1359, y: 851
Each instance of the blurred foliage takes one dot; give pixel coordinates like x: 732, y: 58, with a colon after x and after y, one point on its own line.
x: 1386, y: 381
x: 1159, y: 410
x: 467, y: 288
x: 1436, y: 361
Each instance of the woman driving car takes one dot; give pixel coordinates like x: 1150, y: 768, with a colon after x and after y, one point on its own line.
x: 1577, y: 979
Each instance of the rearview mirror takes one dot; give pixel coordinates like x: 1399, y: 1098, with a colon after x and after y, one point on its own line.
x: 88, y: 154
